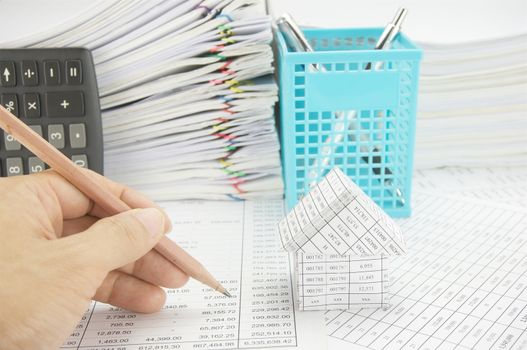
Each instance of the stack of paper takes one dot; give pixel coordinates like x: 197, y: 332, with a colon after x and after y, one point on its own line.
x: 473, y: 104
x: 186, y: 94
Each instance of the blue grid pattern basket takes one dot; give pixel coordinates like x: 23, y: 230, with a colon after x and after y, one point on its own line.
x: 350, y: 106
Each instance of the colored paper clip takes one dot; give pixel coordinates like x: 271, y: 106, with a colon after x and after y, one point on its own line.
x: 228, y: 40
x: 233, y: 197
x: 225, y: 15
x: 224, y: 69
x: 216, y: 48
x: 224, y: 163
x: 237, y: 184
x: 222, y: 120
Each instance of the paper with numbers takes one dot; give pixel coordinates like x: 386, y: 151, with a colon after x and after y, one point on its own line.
x: 462, y: 285
x: 238, y: 243
x: 342, y: 241
x: 342, y: 282
x: 337, y: 217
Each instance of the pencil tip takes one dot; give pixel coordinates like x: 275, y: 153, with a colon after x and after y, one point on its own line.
x: 227, y: 294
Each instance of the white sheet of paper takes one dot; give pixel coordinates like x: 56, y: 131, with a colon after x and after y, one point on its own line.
x: 337, y: 217
x: 501, y: 185
x: 327, y: 282
x: 463, y: 284
x: 238, y: 243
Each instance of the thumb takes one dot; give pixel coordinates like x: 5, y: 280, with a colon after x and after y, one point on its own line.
x: 117, y: 240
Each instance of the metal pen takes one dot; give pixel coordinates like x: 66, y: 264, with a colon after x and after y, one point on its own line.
x: 384, y: 41
x: 296, y: 39
x: 287, y: 22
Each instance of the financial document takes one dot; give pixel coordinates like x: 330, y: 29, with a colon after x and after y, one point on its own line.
x: 342, y: 241
x: 327, y: 282
x: 463, y: 284
x: 500, y: 185
x: 239, y: 244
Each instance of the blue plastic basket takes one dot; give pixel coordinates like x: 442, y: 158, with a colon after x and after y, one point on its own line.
x: 350, y: 106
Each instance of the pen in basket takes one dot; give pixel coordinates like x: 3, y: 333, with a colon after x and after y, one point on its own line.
x: 345, y: 120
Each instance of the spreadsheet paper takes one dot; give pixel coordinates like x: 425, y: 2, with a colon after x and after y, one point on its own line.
x: 328, y: 282
x: 500, y: 185
x: 341, y: 241
x: 238, y: 243
x: 461, y: 286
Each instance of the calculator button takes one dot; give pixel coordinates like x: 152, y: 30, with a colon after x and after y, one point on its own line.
x: 37, y: 129
x: 11, y: 144
x: 56, y: 135
x: 7, y: 73
x: 64, y: 104
x: 73, y: 72
x: 35, y: 165
x: 52, y: 72
x: 80, y: 160
x: 10, y: 102
x: 14, y: 166
x: 77, y: 135
x: 32, y: 105
x: 29, y: 73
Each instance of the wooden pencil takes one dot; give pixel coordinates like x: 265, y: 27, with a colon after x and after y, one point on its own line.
x: 113, y: 205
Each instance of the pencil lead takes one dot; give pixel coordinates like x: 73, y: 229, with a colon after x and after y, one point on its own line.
x: 227, y: 294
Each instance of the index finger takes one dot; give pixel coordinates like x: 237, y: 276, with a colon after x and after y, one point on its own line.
x: 75, y: 204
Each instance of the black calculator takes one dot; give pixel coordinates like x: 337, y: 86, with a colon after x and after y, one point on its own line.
x: 54, y: 91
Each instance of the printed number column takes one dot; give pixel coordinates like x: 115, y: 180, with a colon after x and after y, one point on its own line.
x: 75, y: 337
x: 266, y: 315
x: 195, y: 316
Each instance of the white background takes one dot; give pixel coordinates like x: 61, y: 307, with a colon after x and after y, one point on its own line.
x: 430, y: 21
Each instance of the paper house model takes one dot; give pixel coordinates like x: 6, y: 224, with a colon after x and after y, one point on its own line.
x: 342, y: 243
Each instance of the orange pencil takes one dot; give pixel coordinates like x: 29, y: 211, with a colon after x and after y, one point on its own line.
x: 71, y: 172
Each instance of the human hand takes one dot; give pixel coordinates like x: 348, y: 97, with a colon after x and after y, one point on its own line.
x: 59, y: 251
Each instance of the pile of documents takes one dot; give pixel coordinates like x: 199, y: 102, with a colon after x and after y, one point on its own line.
x: 186, y: 94
x: 472, y: 108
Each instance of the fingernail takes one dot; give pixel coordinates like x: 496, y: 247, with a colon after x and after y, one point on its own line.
x: 152, y: 219
x: 168, y: 222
